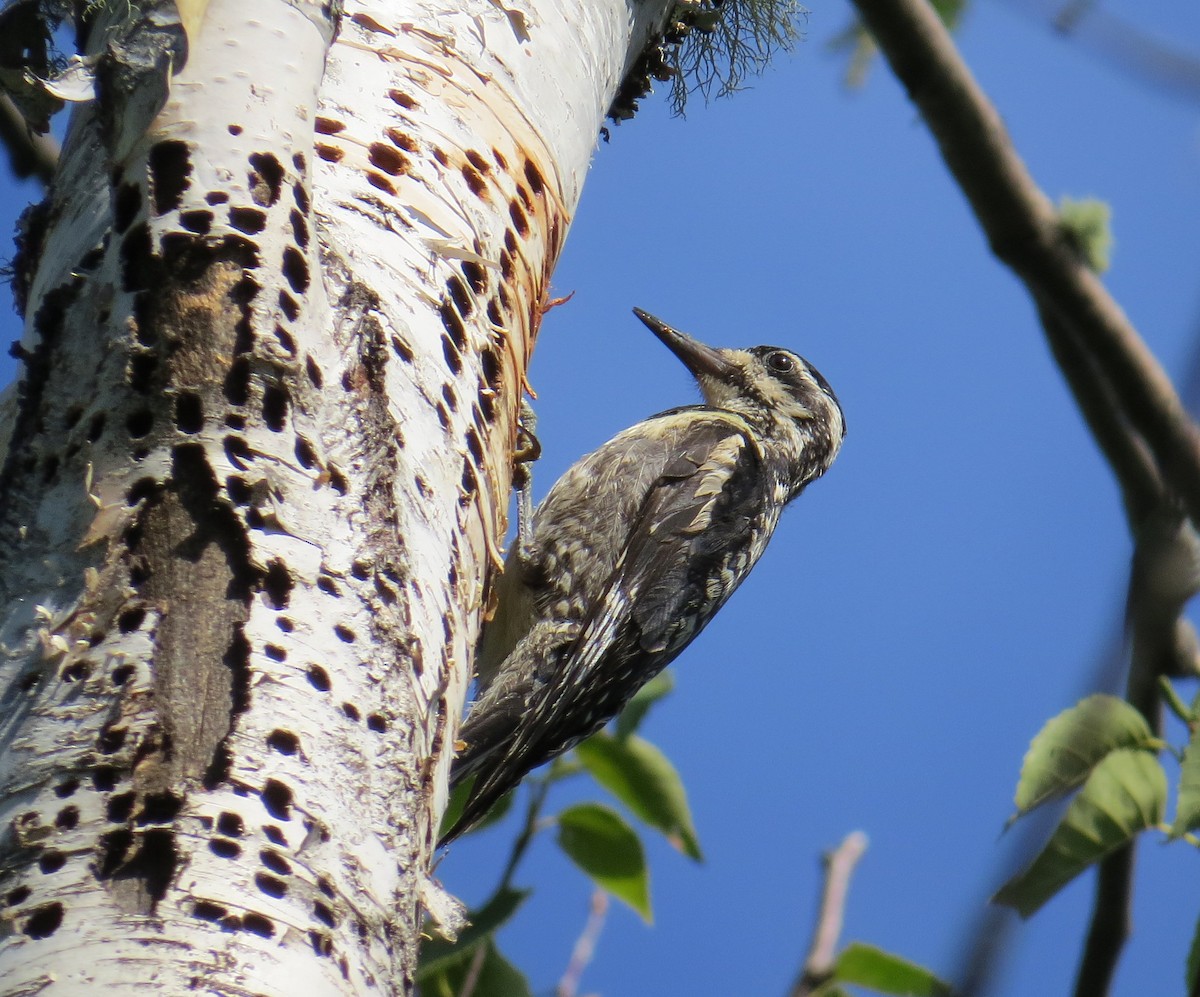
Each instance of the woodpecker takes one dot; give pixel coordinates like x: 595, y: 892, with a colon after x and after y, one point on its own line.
x: 634, y: 550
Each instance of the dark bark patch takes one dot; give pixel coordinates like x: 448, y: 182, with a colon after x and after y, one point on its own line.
x: 277, y: 799
x: 283, y: 741
x: 272, y: 859
x: 313, y: 371
x: 248, y: 220
x: 460, y: 296
x: 230, y: 824
x: 189, y: 412
x: 119, y: 808
x: 381, y: 182
x: 299, y: 228
x: 295, y: 270
x: 198, y: 221
x: 159, y: 808
x: 275, y: 408
x: 475, y: 183
x: 137, y: 259
x: 170, y: 173
x: 223, y: 848
x: 206, y: 910
x: 139, y: 423
x: 519, y: 219
x: 104, y: 778
x: 51, y: 860
x: 66, y: 788
x: 154, y: 863
x: 490, y: 363
x: 305, y: 454
x: 388, y: 158
x: 127, y: 202
x: 140, y: 371
x: 285, y: 340
x: 533, y: 177
x: 476, y: 276
x: 236, y: 386
x: 265, y: 178
x: 401, y: 349
x: 271, y: 886
x: 277, y: 584
x: 44, y: 920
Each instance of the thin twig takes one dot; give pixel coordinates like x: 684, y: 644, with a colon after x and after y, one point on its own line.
x: 471, y: 980
x: 585, y: 946
x: 821, y: 960
x: 1023, y: 230
x: 532, y: 813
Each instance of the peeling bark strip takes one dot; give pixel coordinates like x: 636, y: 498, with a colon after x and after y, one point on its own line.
x: 277, y: 332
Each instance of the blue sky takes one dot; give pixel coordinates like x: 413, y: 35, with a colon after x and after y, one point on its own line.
x: 955, y: 579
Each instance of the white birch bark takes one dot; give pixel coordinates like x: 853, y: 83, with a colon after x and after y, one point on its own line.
x: 256, y: 475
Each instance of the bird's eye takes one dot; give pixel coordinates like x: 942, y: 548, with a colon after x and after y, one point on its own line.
x: 781, y: 363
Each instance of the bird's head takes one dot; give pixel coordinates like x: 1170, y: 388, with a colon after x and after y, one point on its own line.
x: 778, y: 392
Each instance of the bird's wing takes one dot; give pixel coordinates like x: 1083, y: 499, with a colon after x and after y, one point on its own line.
x: 682, y: 550
x: 695, y: 524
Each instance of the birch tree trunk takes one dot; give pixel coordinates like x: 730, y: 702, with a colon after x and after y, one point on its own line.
x: 257, y: 471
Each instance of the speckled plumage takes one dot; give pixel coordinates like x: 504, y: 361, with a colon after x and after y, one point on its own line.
x: 634, y: 550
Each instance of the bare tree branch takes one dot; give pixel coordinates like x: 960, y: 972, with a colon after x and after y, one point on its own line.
x: 1024, y: 231
x: 1122, y: 446
x: 1129, y: 403
x: 822, y: 953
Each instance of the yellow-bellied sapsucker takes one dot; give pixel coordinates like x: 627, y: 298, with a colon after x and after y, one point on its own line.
x: 634, y: 550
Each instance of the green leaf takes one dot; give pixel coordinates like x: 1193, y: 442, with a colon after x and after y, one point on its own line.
x: 640, y: 776
x: 597, y: 840
x: 1187, y: 810
x: 437, y: 953
x: 635, y: 711
x: 1126, y: 793
x: 495, y: 977
x: 1071, y: 744
x: 1087, y: 225
x: 869, y: 966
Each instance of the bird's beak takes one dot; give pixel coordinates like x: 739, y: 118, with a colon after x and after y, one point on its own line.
x: 695, y: 355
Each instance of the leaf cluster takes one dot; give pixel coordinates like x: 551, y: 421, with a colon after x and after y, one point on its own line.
x: 1103, y: 755
x: 598, y: 839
